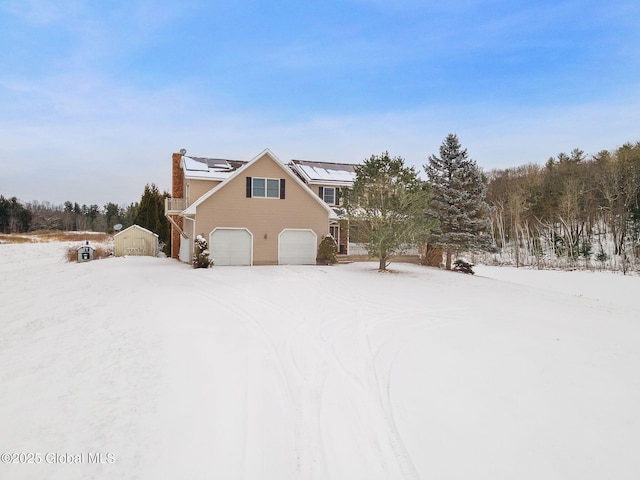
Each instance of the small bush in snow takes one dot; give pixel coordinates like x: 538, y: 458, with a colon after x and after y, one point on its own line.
x: 327, y: 251
x: 463, y: 267
x: 602, y: 258
x: 201, y: 254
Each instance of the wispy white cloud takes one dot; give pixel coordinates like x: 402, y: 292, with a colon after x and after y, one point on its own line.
x: 134, y: 152
x: 43, y: 12
x: 124, y: 85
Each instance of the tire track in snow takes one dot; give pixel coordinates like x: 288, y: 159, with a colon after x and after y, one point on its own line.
x: 318, y: 349
x: 311, y: 360
x: 376, y: 378
x: 243, y: 314
x: 392, y: 456
x: 361, y: 371
x: 299, y: 399
x: 383, y: 378
x: 357, y: 394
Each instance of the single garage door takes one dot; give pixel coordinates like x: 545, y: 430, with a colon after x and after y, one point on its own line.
x: 230, y: 246
x: 297, y: 247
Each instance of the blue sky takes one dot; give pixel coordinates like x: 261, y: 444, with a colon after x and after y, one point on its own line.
x: 95, y: 96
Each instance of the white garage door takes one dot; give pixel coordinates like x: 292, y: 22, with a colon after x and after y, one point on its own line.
x: 230, y: 246
x: 297, y: 247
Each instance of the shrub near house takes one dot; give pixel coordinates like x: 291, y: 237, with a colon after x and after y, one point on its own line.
x: 327, y: 251
x: 201, y: 255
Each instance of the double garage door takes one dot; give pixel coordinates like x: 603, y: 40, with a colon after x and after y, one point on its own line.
x: 234, y: 246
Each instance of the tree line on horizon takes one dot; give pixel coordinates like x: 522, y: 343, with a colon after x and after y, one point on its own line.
x: 573, y: 211
x: 70, y: 216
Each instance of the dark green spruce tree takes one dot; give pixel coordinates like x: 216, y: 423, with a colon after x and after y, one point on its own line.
x: 150, y: 215
x: 458, y: 201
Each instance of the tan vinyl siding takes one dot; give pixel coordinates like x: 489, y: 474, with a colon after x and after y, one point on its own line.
x: 265, y: 218
x: 194, y: 188
x: 316, y: 191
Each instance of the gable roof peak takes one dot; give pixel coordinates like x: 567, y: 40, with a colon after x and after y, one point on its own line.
x: 268, y: 152
x: 191, y: 210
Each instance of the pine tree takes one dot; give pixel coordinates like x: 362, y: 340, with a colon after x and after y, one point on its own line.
x: 150, y: 215
x: 458, y: 201
x: 14, y: 217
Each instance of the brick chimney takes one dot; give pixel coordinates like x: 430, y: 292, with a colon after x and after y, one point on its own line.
x: 177, y: 191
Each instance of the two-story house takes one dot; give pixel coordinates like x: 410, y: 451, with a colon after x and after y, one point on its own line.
x: 257, y: 212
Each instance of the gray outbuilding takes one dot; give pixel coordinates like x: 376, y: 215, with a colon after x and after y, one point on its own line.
x: 85, y: 253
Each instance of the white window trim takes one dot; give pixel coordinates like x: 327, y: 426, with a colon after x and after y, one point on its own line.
x: 266, y: 180
x: 324, y: 193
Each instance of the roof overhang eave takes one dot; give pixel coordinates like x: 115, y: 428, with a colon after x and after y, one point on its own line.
x: 337, y: 183
x: 206, y: 177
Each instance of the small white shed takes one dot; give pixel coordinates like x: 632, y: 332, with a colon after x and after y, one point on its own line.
x: 135, y: 240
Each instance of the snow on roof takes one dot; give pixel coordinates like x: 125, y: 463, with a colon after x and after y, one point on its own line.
x: 134, y: 227
x: 191, y: 210
x: 193, y: 165
x: 326, y: 172
x: 210, y: 168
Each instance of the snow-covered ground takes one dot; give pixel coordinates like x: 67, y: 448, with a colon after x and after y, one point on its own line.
x: 160, y: 371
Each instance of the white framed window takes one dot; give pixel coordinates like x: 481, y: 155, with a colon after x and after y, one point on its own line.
x: 329, y: 195
x: 265, y: 187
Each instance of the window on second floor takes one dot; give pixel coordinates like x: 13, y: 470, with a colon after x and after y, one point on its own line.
x: 329, y: 195
x: 265, y: 187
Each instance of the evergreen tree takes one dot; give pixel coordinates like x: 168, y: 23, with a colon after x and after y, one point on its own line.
x: 386, y: 205
x: 129, y: 213
x: 113, y: 214
x: 150, y: 215
x: 327, y: 251
x: 14, y: 217
x: 5, y: 215
x: 144, y: 214
x: 458, y: 201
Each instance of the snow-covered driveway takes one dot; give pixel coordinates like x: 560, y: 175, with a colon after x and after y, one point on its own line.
x: 313, y: 372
